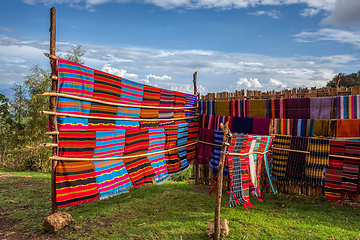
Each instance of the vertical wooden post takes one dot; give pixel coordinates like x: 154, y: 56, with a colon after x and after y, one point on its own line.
x: 196, y: 168
x: 53, y: 122
x: 225, y: 144
x: 337, y: 84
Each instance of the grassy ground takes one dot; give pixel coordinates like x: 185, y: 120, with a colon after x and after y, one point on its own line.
x: 172, y: 210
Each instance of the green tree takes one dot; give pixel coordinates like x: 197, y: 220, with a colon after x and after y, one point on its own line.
x: 346, y: 80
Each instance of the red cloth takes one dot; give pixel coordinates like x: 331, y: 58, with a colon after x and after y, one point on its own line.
x: 205, y: 150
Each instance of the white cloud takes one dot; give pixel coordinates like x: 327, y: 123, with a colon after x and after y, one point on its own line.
x: 119, y: 72
x: 251, y: 83
x: 346, y: 12
x: 273, y: 14
x: 277, y: 83
x: 330, y: 34
x: 309, y: 12
x: 162, y: 78
x: 6, y: 29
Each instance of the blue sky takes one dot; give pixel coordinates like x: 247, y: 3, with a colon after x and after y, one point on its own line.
x: 233, y: 44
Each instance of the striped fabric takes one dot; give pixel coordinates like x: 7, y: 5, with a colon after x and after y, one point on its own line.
x: 171, y: 133
x: 107, y: 87
x: 215, y: 156
x: 236, y: 187
x: 205, y: 150
x: 280, y: 157
x: 102, y: 110
x: 267, y: 143
x: 77, y: 144
x: 181, y: 141
x: 111, y: 178
x: 179, y: 101
x: 321, y: 107
x: 333, y: 174
x: 350, y: 177
x: 172, y: 156
x: 172, y: 161
x: 151, y: 98
x: 72, y: 124
x: 136, y: 142
x: 73, y: 106
x: 222, y: 107
x: 190, y: 101
x: 75, y: 183
x: 166, y: 100
x: 131, y: 92
x: 317, y: 160
x: 210, y: 108
x: 109, y: 144
x: 75, y: 79
x: 295, y: 168
x: 257, y: 108
x: 348, y: 107
x: 248, y: 145
x: 193, y: 132
x: 140, y: 171
x: 158, y: 161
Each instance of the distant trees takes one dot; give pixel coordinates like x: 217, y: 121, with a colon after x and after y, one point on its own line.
x: 346, y: 80
x: 22, y: 127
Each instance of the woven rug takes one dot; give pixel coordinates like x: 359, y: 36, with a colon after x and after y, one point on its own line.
x: 191, y: 101
x: 350, y: 177
x: 102, y: 110
x: 222, y: 107
x: 215, y: 156
x: 317, y: 160
x: 295, y: 168
x: 109, y: 144
x: 334, y: 172
x: 245, y: 176
x: 192, y: 138
x: 173, y: 161
x: 298, y: 108
x: 280, y: 157
x: 151, y: 97
x: 257, y: 108
x: 77, y: 144
x: 75, y: 183
x: 348, y: 107
x: 166, y: 100
x: 322, y: 128
x: 181, y: 141
x: 348, y: 128
x: 136, y: 142
x: 111, y: 178
x: 107, y: 87
x: 321, y: 107
x: 179, y: 101
x: 75, y: 79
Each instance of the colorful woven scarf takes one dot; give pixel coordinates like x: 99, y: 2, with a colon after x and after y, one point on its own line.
x: 75, y: 79
x: 322, y: 128
x: 257, y: 108
x: 140, y: 171
x: 210, y: 107
x: 280, y: 157
x: 107, y: 87
x: 321, y: 107
x: 136, y: 142
x: 72, y: 124
x: 222, y: 108
x: 166, y: 100
x: 102, y: 110
x: 158, y: 161
x: 298, y: 108
x: 317, y: 160
x: 172, y: 156
x: 111, y: 178
x: 151, y: 98
x: 334, y: 172
x: 295, y: 168
x: 193, y: 134
x: 348, y: 128
x: 204, y: 150
x: 245, y: 177
x: 75, y: 183
x: 350, y: 177
x: 190, y: 101
x: 109, y: 144
x: 77, y: 144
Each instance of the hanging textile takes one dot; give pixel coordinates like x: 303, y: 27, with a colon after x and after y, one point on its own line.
x: 261, y: 126
x: 179, y: 102
x: 166, y: 100
x: 242, y: 125
x: 151, y: 98
x: 172, y: 156
x: 295, y: 168
x: 204, y: 150
x: 348, y: 128
x: 215, y: 156
x: 107, y: 87
x: 192, y: 138
x: 77, y: 144
x: 350, y: 177
x: 75, y: 183
x: 298, y: 108
x: 181, y: 141
x: 257, y: 108
x: 158, y: 161
x: 222, y: 107
x: 334, y: 172
x: 317, y: 160
x: 190, y: 101
x: 111, y: 178
x: 109, y: 144
x: 280, y: 157
x: 321, y: 107
x: 348, y: 107
x: 322, y: 128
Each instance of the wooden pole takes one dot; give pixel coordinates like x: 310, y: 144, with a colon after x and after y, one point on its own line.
x: 337, y: 85
x: 53, y: 122
x: 196, y: 166
x: 226, y: 137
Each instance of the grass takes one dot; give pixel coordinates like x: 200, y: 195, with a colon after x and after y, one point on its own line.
x: 169, y: 211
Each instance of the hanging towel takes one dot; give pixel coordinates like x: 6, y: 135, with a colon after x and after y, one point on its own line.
x: 257, y: 108
x: 205, y: 150
x: 321, y: 107
x: 261, y: 126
